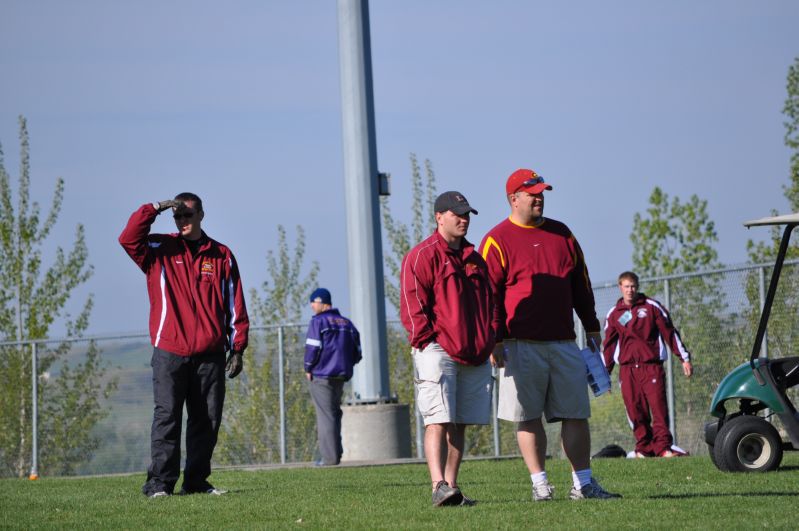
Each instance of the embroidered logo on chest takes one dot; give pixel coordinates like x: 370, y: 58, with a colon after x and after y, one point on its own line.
x: 641, y: 313
x: 207, y: 267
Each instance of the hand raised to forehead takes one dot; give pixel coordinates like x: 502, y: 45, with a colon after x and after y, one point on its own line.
x: 171, y: 203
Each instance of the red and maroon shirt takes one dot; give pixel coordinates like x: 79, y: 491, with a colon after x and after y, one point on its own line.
x: 539, y: 275
x: 196, y: 300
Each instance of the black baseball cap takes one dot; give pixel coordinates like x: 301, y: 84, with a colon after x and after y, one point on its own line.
x: 454, y: 201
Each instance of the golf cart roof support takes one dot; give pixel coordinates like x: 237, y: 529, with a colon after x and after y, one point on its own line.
x: 791, y: 220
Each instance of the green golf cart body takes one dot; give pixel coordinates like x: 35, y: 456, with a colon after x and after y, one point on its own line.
x: 742, y: 439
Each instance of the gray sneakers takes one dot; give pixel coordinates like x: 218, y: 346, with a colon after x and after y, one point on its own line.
x: 543, y: 492
x: 592, y: 490
x: 443, y: 494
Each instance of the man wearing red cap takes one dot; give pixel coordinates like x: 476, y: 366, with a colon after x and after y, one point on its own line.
x: 539, y: 276
x: 447, y: 308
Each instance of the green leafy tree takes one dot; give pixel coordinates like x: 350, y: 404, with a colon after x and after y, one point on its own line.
x: 673, y: 237
x: 31, y: 300
x: 767, y: 251
x: 251, y: 426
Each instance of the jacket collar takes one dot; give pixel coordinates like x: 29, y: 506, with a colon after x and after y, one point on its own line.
x: 466, y: 246
x: 640, y: 299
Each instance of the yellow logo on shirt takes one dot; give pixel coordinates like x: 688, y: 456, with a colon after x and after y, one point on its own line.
x: 207, y: 267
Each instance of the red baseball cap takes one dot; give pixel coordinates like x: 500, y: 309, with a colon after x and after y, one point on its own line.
x: 527, y: 181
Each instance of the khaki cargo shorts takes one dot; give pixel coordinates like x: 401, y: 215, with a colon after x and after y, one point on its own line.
x: 543, y: 377
x: 448, y: 391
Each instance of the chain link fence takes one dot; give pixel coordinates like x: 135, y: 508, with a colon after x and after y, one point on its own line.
x: 94, y: 405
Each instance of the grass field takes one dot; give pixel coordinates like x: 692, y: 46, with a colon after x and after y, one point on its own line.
x: 658, y: 493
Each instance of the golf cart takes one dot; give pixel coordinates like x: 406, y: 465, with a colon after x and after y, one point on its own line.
x: 742, y: 440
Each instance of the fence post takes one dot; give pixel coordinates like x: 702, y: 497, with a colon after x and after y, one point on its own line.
x: 35, y: 411
x: 419, y: 433
x: 670, y: 371
x: 282, y: 393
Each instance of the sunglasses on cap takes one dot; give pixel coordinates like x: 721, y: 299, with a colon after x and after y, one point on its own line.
x: 530, y: 182
x: 535, y: 180
x: 183, y: 215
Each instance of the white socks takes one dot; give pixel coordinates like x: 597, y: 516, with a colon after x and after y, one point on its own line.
x: 581, y: 478
x: 539, y: 478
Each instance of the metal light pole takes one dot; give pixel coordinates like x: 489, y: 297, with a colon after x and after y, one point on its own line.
x: 373, y: 428
x: 365, y: 257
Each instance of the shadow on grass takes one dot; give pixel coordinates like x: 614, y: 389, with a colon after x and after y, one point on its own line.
x: 721, y: 495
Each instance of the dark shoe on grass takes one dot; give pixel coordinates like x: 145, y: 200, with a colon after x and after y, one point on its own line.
x: 205, y: 489
x: 592, y: 490
x: 443, y: 494
x: 155, y: 489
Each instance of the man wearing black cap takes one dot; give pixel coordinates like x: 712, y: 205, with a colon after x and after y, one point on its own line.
x: 332, y: 347
x: 447, y: 307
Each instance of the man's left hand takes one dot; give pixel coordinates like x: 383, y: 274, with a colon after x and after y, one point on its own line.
x: 594, y: 340
x: 235, y: 362
x: 308, y: 376
x: 687, y: 368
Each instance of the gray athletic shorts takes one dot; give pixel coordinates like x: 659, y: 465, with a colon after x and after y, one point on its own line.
x: 450, y: 392
x: 543, y: 377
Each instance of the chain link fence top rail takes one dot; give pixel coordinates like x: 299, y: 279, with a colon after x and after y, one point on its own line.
x: 269, y: 417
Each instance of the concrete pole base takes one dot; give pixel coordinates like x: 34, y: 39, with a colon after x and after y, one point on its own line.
x: 371, y: 432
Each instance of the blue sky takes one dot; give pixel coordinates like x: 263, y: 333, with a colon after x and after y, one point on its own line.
x: 239, y: 102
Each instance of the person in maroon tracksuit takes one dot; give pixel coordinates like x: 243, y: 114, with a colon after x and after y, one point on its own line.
x: 447, y: 307
x: 637, y: 331
x: 197, y: 314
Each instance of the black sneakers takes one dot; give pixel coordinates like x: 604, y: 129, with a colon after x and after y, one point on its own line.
x: 205, y: 489
x: 592, y: 490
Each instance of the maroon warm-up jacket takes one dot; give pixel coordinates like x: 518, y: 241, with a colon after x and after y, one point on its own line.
x: 196, y: 301
x: 640, y: 333
x: 445, y: 296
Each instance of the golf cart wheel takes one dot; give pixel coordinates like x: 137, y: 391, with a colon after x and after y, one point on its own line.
x: 748, y: 444
x: 712, y: 438
x: 711, y: 450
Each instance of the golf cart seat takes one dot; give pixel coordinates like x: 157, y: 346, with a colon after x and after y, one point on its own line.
x: 785, y: 372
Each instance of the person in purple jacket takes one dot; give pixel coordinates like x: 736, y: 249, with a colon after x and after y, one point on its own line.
x: 332, y: 347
